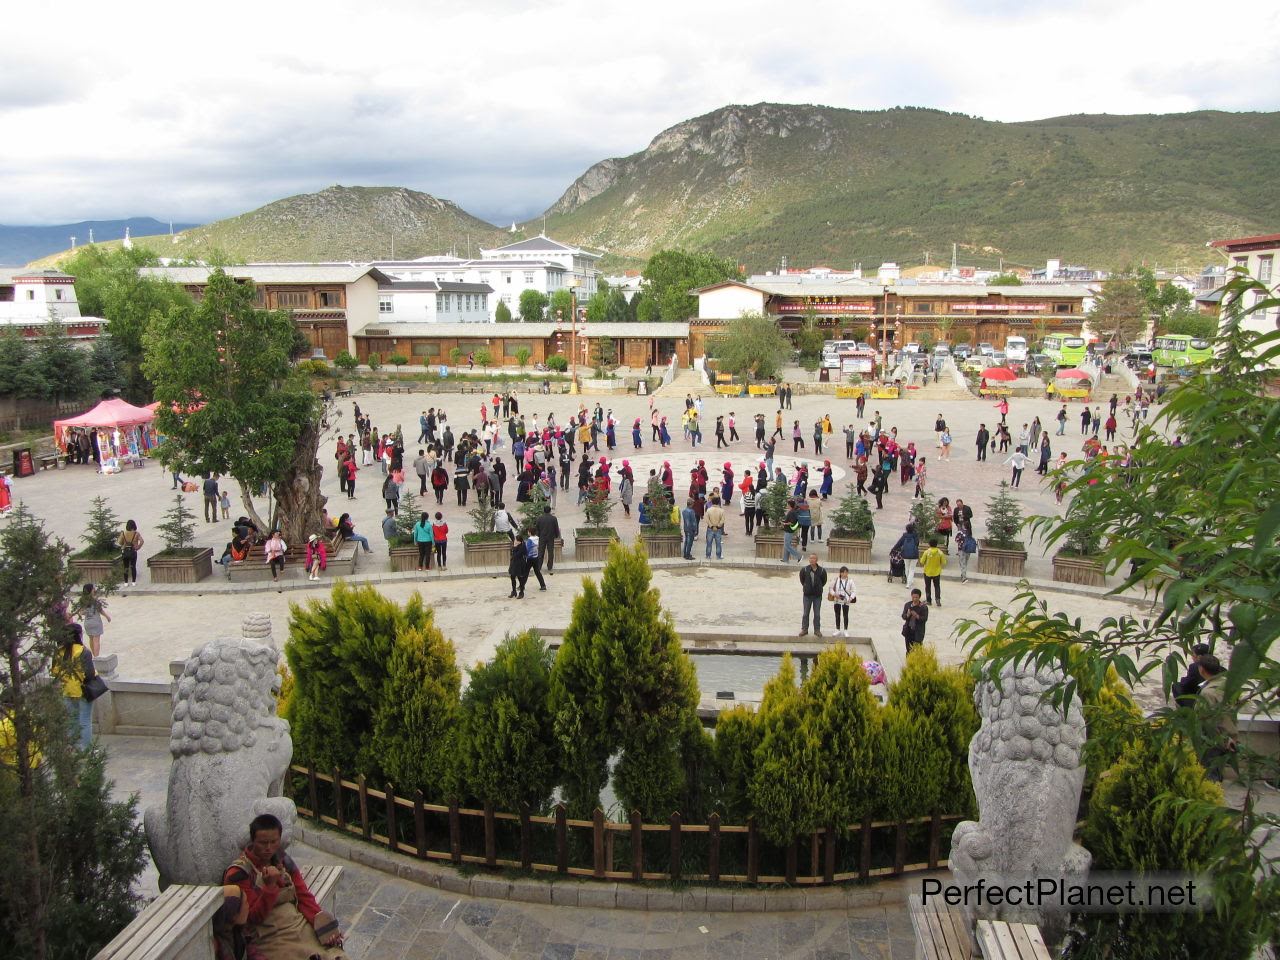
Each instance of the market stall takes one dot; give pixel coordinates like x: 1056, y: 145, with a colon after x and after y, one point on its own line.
x: 1072, y: 385
x: 114, y: 432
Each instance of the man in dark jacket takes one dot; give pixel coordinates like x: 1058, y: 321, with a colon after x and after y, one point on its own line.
x: 813, y: 583
x: 211, y: 498
x: 548, y: 529
x: 915, y: 614
x: 982, y: 440
x: 1185, y: 690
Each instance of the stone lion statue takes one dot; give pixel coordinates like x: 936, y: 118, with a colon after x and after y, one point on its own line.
x: 1027, y: 775
x: 230, y: 755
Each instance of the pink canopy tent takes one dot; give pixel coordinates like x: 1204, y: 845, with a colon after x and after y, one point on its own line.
x: 108, y: 415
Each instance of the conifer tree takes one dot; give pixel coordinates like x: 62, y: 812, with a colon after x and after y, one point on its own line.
x: 1004, y: 520
x: 736, y: 741
x: 852, y: 517
x: 924, y: 514
x: 844, y: 718
x: 101, y: 531
x: 178, y: 531
x: 790, y: 777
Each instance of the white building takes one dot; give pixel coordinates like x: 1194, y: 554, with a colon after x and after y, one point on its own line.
x: 32, y: 298
x: 539, y: 263
x: 433, y: 301
x: 1258, y: 256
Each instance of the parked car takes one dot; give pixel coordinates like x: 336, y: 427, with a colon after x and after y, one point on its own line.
x: 1039, y: 361
x: 985, y: 349
x: 962, y: 351
x: 976, y: 364
x: 998, y: 359
x: 1138, y: 359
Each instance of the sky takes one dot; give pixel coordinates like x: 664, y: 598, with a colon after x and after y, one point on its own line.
x: 192, y: 112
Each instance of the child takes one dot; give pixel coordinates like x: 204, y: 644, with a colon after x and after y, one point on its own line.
x: 225, y: 501
x: 440, y: 538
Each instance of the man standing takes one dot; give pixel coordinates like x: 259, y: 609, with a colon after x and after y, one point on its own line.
x: 1062, y: 420
x: 389, y: 525
x: 1223, y: 733
x: 813, y: 581
x: 211, y: 498
x: 914, y: 616
x: 715, y: 527
x: 422, y: 427
x: 689, y: 527
x: 790, y: 531
x: 982, y: 440
x: 548, y: 529
x: 420, y: 468
x: 533, y: 553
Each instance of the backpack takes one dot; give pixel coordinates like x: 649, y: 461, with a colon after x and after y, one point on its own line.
x: 970, y: 545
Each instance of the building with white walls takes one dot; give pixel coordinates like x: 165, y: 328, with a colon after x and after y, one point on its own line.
x: 29, y: 299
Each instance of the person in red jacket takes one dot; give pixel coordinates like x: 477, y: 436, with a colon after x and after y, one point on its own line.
x: 284, y: 920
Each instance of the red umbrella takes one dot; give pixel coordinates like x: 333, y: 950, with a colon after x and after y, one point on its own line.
x: 998, y: 373
x: 1072, y: 375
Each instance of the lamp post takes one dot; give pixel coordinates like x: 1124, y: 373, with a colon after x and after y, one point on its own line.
x: 573, y: 321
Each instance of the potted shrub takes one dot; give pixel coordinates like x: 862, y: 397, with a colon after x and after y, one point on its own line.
x: 401, y: 549
x: 1079, y: 560
x: 924, y: 514
x: 483, y: 546
x: 769, y: 535
x: 852, y: 530
x: 661, y: 535
x: 181, y: 561
x: 591, y: 543
x: 1001, y: 552
x: 99, y: 561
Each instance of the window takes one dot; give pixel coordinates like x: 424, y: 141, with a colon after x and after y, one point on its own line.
x: 528, y: 276
x: 293, y: 298
x: 426, y: 349
x: 1264, y: 269
x: 331, y: 298
x: 31, y: 294
x: 57, y: 293
x: 441, y: 303
x: 1062, y: 308
x: 484, y: 276
x: 506, y: 298
x: 509, y: 347
x: 384, y: 305
x: 506, y: 276
x: 922, y: 308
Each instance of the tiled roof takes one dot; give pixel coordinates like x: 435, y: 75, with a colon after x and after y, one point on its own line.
x: 273, y: 273
x: 666, y: 331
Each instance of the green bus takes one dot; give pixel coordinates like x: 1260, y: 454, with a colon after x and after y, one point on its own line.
x: 1064, y: 351
x: 1181, y: 350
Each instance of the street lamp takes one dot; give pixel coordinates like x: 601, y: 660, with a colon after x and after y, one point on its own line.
x: 573, y: 319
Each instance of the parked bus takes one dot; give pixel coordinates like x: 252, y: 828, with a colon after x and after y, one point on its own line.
x: 1064, y: 351
x: 1180, y: 350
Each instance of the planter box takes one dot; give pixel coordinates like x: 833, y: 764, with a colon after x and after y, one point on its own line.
x: 1084, y: 570
x: 403, y: 558
x: 768, y: 544
x: 848, y: 550
x: 592, y: 547
x: 486, y: 553
x: 190, y: 569
x: 661, y: 546
x: 97, y: 571
x: 1002, y: 563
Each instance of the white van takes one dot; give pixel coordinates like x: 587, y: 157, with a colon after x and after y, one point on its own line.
x: 832, y: 349
x: 1015, y: 349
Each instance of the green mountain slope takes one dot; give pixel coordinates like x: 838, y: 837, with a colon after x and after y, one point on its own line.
x: 339, y: 223
x: 825, y: 185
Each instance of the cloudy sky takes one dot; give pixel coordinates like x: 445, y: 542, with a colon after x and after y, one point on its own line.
x: 199, y: 111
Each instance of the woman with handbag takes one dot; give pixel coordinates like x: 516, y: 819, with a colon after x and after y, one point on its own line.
x: 842, y: 594
x: 92, y: 611
x: 81, y: 685
x: 129, y: 542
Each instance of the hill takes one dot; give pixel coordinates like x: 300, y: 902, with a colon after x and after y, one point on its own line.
x: 21, y: 244
x: 337, y: 223
x: 825, y: 185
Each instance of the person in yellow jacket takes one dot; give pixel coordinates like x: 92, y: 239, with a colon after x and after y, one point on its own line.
x: 72, y: 665
x: 931, y: 563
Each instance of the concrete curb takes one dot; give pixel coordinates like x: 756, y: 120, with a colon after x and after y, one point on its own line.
x: 609, y: 895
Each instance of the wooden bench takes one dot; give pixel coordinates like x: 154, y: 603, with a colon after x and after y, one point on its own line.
x: 344, y: 393
x: 49, y: 460
x: 176, y: 925
x: 254, y: 567
x: 1011, y: 941
x: 941, y: 933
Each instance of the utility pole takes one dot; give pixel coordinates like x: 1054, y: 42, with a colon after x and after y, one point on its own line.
x: 73, y: 242
x: 953, y: 258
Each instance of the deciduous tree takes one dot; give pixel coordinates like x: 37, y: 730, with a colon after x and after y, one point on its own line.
x: 671, y: 274
x: 533, y: 305
x: 752, y: 346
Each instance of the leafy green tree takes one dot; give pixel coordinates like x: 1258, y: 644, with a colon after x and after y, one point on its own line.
x: 345, y: 362
x: 522, y: 356
x: 809, y: 340
x: 455, y: 356
x: 506, y: 738
x: 598, y: 306
x: 1120, y: 312
x: 792, y: 771
x: 20, y: 376
x: 558, y: 362
x: 502, y: 313
x: 1187, y: 321
x: 60, y: 364
x: 232, y: 404
x: 1205, y: 539
x: 69, y: 854
x: 107, y: 373
x: 1137, y: 822
x: 737, y: 739
x: 338, y: 650
x: 109, y: 285
x: 533, y: 305
x: 622, y: 684
x: 751, y: 347
x: 1162, y: 299
x: 415, y: 721
x: 1005, y: 280
x: 560, y: 306
x: 617, y: 310
x: 604, y: 355
x: 671, y: 274
x: 484, y: 358
x: 645, y: 308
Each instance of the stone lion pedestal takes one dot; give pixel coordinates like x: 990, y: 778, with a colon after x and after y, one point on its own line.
x: 230, y: 756
x: 1027, y: 776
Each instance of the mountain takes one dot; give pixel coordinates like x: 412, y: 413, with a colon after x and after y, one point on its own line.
x: 23, y: 244
x: 821, y: 185
x: 337, y: 223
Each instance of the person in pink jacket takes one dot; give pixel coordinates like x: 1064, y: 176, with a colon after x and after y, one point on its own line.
x: 317, y: 557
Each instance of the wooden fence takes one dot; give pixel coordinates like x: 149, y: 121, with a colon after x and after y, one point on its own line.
x: 597, y: 848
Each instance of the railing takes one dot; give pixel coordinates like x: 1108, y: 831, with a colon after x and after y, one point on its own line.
x: 604, y: 849
x: 670, y: 373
